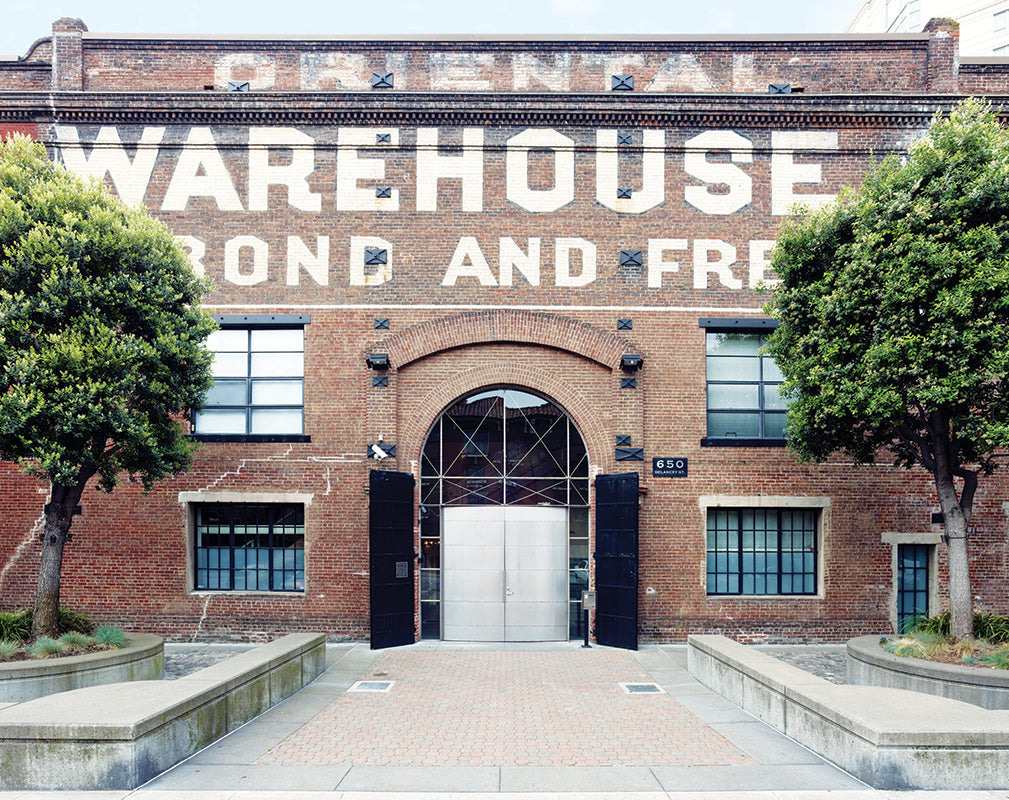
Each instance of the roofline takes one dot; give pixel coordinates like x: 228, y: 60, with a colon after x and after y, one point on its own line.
x: 511, y: 38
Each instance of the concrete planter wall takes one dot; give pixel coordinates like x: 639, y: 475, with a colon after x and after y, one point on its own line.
x: 870, y: 665
x: 143, y: 660
x: 889, y: 738
x: 119, y: 736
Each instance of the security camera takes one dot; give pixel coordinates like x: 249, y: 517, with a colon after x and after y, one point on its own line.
x: 378, y: 453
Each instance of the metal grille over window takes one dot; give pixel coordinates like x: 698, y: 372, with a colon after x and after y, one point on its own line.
x: 744, y: 399
x: 258, y: 382
x: 761, y: 551
x: 503, y: 447
x: 250, y: 547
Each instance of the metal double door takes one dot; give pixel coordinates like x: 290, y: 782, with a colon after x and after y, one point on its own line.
x: 505, y: 573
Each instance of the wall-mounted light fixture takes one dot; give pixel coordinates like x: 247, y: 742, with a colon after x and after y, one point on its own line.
x: 631, y: 362
x: 379, y: 361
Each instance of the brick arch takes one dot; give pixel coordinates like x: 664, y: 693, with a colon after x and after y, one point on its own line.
x: 505, y: 325
x: 425, y: 410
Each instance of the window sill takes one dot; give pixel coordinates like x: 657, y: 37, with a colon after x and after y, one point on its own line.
x: 251, y: 437
x: 732, y: 442
x: 293, y: 593
x: 815, y: 596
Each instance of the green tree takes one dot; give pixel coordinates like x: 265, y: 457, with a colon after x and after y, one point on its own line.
x: 894, y: 320
x: 101, y: 344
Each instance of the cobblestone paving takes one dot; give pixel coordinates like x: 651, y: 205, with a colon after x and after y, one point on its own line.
x: 496, y: 708
x: 827, y: 664
x: 184, y: 659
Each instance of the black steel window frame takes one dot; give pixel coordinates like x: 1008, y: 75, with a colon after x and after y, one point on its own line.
x: 249, y: 323
x: 735, y: 563
x: 756, y: 327
x: 912, y: 584
x: 285, y: 536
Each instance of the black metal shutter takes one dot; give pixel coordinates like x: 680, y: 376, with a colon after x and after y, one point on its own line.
x: 392, y: 557
x: 616, y: 559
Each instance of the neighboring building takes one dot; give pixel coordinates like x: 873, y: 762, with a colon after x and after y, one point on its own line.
x: 984, y: 25
x: 490, y: 335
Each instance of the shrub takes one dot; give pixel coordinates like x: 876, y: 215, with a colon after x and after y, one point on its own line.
x: 43, y: 647
x: 8, y: 648
x: 75, y: 642
x: 76, y: 621
x: 111, y: 636
x: 911, y: 646
x: 16, y: 626
x: 993, y: 627
x: 999, y: 659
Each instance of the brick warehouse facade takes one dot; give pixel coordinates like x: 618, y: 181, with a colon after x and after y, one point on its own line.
x: 490, y: 215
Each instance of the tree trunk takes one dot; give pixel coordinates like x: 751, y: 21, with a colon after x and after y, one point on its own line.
x: 59, y: 515
x: 961, y: 605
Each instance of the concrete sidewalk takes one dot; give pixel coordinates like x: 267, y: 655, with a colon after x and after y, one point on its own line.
x: 543, y: 721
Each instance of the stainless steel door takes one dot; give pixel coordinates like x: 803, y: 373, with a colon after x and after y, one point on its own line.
x: 504, y: 573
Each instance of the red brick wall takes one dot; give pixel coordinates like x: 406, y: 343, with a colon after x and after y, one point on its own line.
x: 129, y: 562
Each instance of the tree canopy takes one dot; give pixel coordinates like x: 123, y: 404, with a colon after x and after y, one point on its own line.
x: 101, y: 338
x: 894, y: 318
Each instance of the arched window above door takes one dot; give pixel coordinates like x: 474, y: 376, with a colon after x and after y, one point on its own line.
x: 504, y: 446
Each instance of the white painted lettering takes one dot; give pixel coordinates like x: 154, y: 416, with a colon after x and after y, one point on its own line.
x: 233, y: 260
x: 200, y: 172
x: 718, y: 173
x: 611, y: 64
x: 721, y: 266
x: 653, y: 173
x: 300, y: 257
x: 462, y: 72
x: 466, y: 167
x: 657, y: 265
x: 786, y: 173
x: 196, y: 249
x: 293, y: 175
x: 760, y: 257
x: 108, y: 157
x: 681, y: 73
x: 562, y: 262
x: 258, y: 69
x: 527, y: 70
x: 517, y: 170
x: 334, y: 72
x: 743, y: 73
x: 350, y: 169
x: 511, y: 257
x: 468, y: 250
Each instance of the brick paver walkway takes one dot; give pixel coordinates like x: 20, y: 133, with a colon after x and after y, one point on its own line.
x: 497, y: 708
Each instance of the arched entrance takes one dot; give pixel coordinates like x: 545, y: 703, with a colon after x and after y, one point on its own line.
x: 504, y: 520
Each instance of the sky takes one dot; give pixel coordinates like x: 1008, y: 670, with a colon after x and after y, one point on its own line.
x: 24, y: 21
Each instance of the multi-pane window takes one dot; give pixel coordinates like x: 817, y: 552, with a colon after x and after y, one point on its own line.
x: 912, y: 584
x: 761, y: 551
x: 259, y: 383
x: 1001, y: 20
x: 744, y: 399
x: 256, y: 547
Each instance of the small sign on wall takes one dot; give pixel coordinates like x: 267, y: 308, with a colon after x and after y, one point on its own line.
x: 669, y: 468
